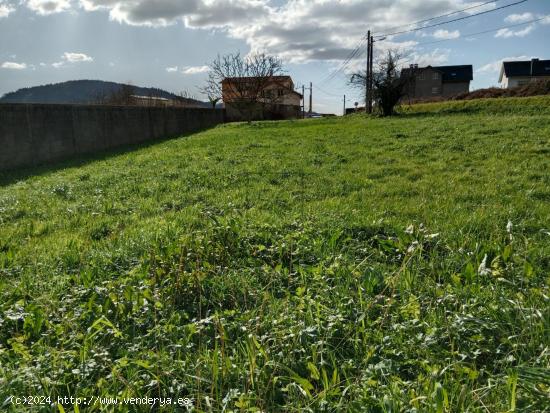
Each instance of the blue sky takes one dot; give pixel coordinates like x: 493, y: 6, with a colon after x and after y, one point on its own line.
x: 169, y: 43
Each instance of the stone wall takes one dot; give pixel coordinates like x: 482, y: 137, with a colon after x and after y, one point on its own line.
x: 32, y: 134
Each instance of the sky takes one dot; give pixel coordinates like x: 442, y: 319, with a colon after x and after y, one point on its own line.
x: 169, y: 43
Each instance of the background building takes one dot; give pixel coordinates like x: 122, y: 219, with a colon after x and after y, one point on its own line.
x: 437, y: 81
x: 262, y: 98
x: 513, y: 74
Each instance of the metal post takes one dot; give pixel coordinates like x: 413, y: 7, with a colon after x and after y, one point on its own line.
x: 344, y: 105
x: 303, y: 101
x: 310, y: 97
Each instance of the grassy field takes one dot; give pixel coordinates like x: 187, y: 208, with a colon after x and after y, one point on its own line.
x: 376, y: 265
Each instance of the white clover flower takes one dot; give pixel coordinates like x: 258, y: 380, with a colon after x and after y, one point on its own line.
x: 509, y: 227
x: 412, y: 247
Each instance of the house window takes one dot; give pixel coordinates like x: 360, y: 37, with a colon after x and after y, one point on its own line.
x: 435, y: 76
x: 435, y: 90
x: 421, y: 76
x: 280, y: 92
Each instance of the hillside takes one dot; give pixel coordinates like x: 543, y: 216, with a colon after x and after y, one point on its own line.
x: 80, y: 92
x: 343, y: 264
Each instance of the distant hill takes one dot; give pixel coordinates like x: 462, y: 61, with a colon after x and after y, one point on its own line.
x: 81, y: 91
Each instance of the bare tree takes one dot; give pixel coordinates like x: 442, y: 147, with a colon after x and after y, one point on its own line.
x: 389, y: 86
x: 389, y: 83
x: 212, y: 93
x: 186, y: 99
x: 243, y: 83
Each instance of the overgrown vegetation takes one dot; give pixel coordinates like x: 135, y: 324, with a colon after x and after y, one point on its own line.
x: 538, y: 88
x: 353, y: 264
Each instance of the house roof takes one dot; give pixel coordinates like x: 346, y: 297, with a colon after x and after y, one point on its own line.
x: 461, y: 73
x: 534, y: 67
x: 150, y: 98
x: 273, y: 78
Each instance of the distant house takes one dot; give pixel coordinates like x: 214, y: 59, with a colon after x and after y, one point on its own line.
x: 154, y: 101
x: 274, y: 97
x: 513, y: 74
x: 437, y: 81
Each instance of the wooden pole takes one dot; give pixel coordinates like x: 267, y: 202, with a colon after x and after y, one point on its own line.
x: 367, y: 80
x: 310, y: 98
x: 371, y: 85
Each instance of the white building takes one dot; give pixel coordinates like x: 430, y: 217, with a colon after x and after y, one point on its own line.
x: 514, y: 74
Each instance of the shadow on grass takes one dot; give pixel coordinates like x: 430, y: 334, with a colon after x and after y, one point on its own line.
x: 11, y: 176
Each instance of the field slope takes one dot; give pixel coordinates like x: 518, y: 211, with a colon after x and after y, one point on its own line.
x: 377, y: 265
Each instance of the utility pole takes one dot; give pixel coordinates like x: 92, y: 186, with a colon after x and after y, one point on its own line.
x: 310, y: 97
x: 303, y: 101
x: 367, y: 79
x: 344, y: 105
x: 371, y: 85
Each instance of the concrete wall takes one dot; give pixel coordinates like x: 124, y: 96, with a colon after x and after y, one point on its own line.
x: 34, y: 134
x: 455, y: 88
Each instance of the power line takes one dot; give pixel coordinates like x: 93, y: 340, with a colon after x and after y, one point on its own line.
x: 444, y: 15
x: 451, y: 21
x: 483, y: 32
x: 327, y: 93
x: 476, y: 34
x: 350, y: 57
x: 361, y: 44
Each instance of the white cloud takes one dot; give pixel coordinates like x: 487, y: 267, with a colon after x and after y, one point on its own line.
x: 295, y: 30
x: 46, y: 7
x: 298, y: 31
x: 193, y: 70
x: 5, y: 9
x: 434, y: 58
x: 519, y: 18
x: 486, y: 7
x: 69, y: 57
x: 77, y: 57
x: 494, y: 67
x: 194, y: 13
x: 507, y: 33
x: 14, y: 66
x: 188, y: 70
x: 446, y: 35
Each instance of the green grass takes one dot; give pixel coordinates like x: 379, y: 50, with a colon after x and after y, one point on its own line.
x: 377, y: 265
x: 535, y: 105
